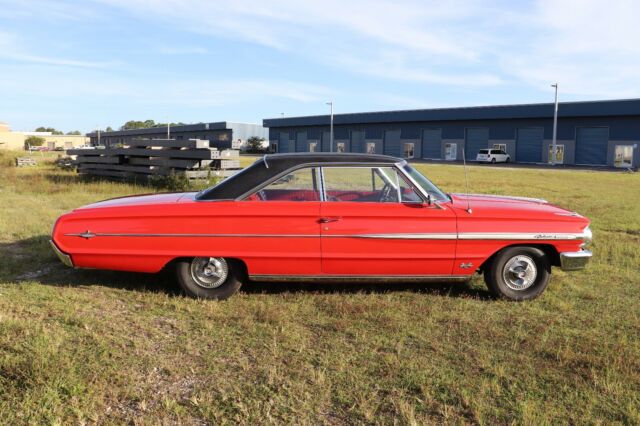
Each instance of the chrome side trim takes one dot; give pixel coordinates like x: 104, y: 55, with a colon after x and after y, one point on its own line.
x: 574, y: 261
x: 520, y: 236
x: 106, y: 234
x: 508, y: 197
x: 361, y: 278
x: 64, y: 258
x: 400, y: 236
x: 434, y: 236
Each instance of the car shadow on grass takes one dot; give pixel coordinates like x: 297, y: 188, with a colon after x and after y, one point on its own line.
x: 16, y: 266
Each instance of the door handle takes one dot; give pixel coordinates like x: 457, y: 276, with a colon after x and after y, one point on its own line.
x: 329, y: 219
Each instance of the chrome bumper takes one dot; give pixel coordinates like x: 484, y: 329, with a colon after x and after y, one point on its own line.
x: 575, y: 260
x: 64, y: 258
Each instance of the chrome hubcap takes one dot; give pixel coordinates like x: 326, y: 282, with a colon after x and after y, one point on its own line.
x: 209, y: 272
x: 520, y: 272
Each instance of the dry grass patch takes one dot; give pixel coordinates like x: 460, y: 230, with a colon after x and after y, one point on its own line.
x: 107, y: 347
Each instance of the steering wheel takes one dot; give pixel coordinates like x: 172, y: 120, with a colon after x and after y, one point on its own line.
x: 386, y: 195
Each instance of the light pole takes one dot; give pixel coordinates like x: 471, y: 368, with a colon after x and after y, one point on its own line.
x: 98, y: 135
x: 168, y: 130
x: 331, y: 124
x: 555, y: 127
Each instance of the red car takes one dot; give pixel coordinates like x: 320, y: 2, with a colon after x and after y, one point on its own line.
x: 329, y: 217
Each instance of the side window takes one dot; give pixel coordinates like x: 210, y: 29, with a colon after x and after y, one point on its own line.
x: 366, y: 184
x: 407, y: 193
x: 300, y: 185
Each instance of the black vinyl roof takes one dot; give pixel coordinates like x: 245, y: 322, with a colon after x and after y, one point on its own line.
x: 273, y: 165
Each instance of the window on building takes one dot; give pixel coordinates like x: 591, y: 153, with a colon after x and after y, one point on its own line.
x: 300, y: 185
x: 623, y: 156
x: 559, y: 154
x: 500, y: 147
x: 408, y: 150
x: 313, y: 146
x: 451, y: 151
x: 273, y: 147
x: 371, y: 147
x: 340, y: 147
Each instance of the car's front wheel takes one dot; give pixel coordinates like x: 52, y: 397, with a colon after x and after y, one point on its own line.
x: 518, y: 273
x: 210, y: 277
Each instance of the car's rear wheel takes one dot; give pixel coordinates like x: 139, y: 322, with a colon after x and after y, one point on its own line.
x: 210, y: 277
x: 518, y: 273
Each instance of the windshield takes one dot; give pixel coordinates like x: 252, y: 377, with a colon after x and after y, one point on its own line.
x: 425, y: 184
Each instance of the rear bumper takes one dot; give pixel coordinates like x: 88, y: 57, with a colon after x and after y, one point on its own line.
x: 575, y: 260
x: 64, y: 258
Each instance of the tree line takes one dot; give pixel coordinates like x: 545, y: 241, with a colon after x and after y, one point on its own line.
x: 57, y: 132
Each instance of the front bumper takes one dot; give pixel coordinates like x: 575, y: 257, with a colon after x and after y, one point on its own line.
x: 64, y: 258
x: 574, y: 260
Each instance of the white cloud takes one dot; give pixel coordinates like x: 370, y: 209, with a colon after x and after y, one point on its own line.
x: 342, y: 34
x: 590, y: 46
x: 12, y: 48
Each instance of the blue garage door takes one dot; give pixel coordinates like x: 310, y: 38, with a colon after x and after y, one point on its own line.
x: 391, y: 144
x: 476, y: 139
x: 301, y: 142
x: 357, y: 141
x: 283, y: 142
x: 326, y: 142
x: 591, y: 145
x: 529, y: 145
x: 432, y: 143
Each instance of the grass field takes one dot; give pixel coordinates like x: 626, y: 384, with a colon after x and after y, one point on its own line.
x: 85, y: 346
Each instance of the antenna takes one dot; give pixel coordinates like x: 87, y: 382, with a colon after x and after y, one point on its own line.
x: 466, y: 180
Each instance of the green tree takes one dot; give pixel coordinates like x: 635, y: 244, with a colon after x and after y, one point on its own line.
x: 33, y: 141
x: 108, y: 129
x: 255, y: 144
x: 75, y: 132
x: 136, y: 124
x: 50, y: 130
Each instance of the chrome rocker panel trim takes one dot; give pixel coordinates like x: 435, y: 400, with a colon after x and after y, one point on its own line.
x: 575, y: 260
x: 64, y: 258
x: 400, y: 236
x: 360, y: 278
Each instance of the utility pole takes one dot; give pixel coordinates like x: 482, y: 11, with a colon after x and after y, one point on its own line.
x: 98, y: 136
x: 331, y: 124
x: 168, y: 129
x: 555, y: 127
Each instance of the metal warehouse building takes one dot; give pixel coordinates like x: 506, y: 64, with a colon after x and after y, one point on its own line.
x: 598, y: 133
x: 221, y: 135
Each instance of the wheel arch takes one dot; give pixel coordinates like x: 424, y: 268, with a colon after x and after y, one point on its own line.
x: 547, y: 249
x: 239, y: 262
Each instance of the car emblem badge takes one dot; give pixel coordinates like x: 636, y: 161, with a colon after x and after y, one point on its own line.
x: 466, y: 265
x: 87, y: 234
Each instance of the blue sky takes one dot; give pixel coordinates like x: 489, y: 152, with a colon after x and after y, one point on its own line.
x: 86, y: 64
